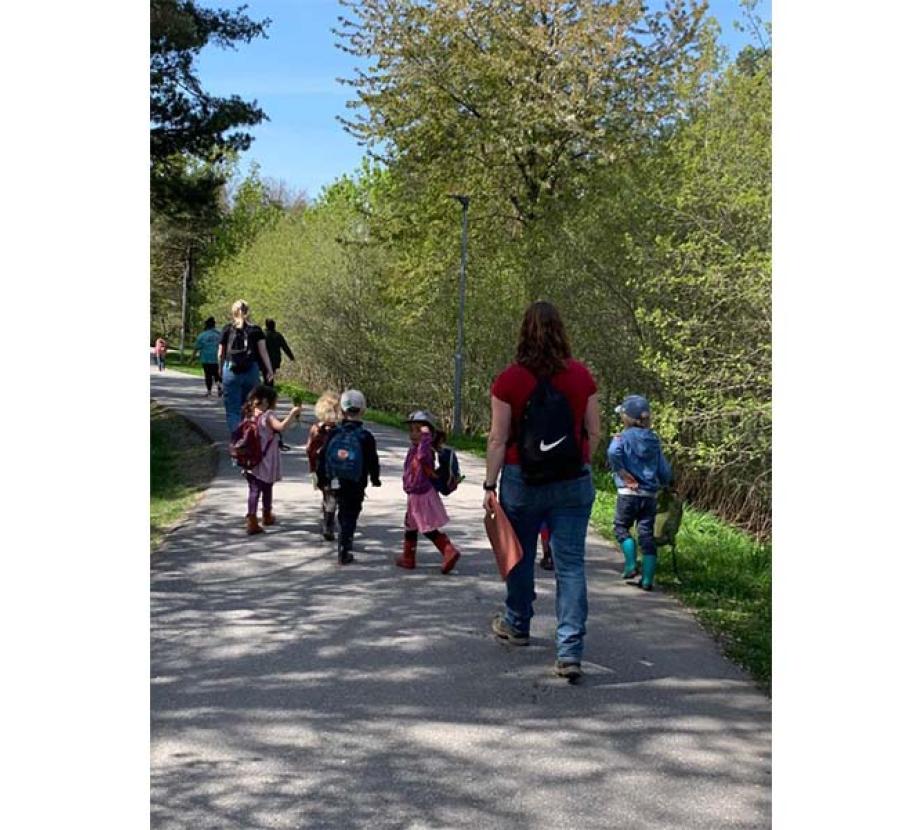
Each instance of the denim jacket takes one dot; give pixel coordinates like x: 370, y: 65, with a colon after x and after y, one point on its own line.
x: 638, y: 451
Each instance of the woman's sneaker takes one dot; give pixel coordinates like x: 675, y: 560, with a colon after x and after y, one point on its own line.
x: 506, y: 632
x: 568, y: 669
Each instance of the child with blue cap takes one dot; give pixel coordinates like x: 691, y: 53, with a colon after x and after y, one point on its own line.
x: 640, y: 471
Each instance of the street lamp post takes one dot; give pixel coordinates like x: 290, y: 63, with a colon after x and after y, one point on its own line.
x: 459, y: 351
x: 187, y: 267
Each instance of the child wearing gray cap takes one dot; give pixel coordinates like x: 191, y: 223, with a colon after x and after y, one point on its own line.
x: 351, y: 459
x: 425, y: 511
x: 640, y: 471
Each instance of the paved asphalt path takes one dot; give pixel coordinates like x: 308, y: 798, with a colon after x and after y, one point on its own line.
x: 289, y: 692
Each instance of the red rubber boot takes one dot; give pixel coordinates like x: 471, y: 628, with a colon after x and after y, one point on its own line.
x: 408, y: 558
x: 450, y: 554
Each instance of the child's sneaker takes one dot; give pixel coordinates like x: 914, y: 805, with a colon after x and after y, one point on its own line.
x: 506, y: 632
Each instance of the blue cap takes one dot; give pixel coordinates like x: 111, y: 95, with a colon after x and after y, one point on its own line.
x: 634, y: 406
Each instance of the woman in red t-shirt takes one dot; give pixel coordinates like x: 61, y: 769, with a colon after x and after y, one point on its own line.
x: 545, y: 389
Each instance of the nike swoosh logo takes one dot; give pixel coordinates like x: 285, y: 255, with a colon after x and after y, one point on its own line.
x: 545, y: 447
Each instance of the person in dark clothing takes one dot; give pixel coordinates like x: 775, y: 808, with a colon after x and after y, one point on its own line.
x: 351, y: 459
x: 275, y: 345
x: 241, y: 353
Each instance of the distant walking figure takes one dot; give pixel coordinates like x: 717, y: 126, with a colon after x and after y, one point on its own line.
x: 206, y: 345
x: 240, y: 351
x: 160, y: 352
x: 544, y: 427
x: 275, y: 345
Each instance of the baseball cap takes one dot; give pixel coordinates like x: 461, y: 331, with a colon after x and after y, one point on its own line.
x: 422, y: 416
x: 634, y: 406
x: 352, y: 399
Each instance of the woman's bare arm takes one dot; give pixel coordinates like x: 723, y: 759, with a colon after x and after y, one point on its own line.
x: 500, y: 424
x: 593, y: 423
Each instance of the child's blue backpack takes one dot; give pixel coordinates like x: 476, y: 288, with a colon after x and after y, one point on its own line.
x: 344, y: 454
x: 447, y: 475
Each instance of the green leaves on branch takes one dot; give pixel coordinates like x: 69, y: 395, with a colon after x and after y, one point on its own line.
x: 186, y: 121
x: 517, y: 102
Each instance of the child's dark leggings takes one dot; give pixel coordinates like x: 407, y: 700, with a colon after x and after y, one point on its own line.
x: 434, y: 536
x: 640, y: 509
x: 257, y: 488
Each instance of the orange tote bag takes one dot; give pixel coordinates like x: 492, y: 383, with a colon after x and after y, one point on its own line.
x: 505, y: 544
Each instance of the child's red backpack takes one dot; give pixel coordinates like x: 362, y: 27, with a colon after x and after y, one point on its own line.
x: 316, y: 443
x: 246, y: 449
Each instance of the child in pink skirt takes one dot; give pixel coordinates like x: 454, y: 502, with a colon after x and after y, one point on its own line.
x: 260, y: 404
x: 425, y: 511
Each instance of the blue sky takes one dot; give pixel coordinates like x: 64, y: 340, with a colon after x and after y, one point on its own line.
x: 292, y: 75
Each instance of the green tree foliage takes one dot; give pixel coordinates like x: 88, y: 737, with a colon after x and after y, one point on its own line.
x: 518, y: 101
x: 178, y: 240
x: 704, y: 282
x: 203, y: 243
x: 186, y: 121
x: 651, y: 231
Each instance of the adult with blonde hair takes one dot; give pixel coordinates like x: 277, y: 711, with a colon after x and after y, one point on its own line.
x: 544, y: 428
x: 240, y: 351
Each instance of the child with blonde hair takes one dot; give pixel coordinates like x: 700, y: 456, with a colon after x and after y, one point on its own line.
x: 327, y: 414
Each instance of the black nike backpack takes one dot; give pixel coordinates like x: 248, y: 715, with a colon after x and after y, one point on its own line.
x: 548, y: 448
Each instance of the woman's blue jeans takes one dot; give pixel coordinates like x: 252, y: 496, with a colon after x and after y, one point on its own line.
x: 236, y: 389
x: 565, y: 506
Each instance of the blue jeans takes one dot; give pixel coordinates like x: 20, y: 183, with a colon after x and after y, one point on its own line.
x: 565, y: 507
x: 236, y: 389
x: 640, y: 509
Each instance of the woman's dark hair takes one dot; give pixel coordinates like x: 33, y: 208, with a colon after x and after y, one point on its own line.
x: 270, y: 324
x: 543, y: 345
x: 209, y: 323
x: 260, y: 394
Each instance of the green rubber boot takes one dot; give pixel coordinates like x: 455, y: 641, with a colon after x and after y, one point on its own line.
x: 629, y: 549
x: 649, y: 568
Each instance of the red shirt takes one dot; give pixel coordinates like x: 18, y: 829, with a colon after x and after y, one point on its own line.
x: 515, y: 384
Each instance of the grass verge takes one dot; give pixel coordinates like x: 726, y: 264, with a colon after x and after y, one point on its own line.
x: 724, y: 573
x: 182, y: 463
x: 724, y: 576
